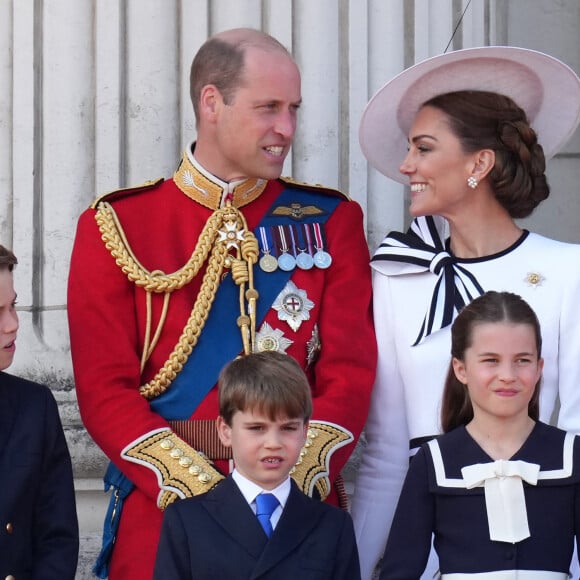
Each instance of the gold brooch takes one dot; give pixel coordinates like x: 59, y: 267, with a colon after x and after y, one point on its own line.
x: 534, y: 279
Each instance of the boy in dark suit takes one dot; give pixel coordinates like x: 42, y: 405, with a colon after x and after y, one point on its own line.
x: 265, y: 405
x: 39, y: 535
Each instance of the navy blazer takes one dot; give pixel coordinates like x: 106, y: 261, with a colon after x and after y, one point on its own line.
x: 39, y: 536
x: 217, y: 536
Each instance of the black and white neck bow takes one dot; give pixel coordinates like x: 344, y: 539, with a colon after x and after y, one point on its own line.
x: 421, y: 249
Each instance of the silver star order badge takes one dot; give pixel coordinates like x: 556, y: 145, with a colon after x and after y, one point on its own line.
x: 268, y: 338
x: 231, y: 236
x: 534, y: 279
x: 293, y: 306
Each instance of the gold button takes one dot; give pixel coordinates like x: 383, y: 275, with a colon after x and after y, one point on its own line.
x: 9, y: 528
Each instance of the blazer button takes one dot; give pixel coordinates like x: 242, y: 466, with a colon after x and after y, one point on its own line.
x: 9, y: 528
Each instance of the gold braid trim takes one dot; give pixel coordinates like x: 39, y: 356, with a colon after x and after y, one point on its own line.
x: 313, y: 466
x: 116, y: 242
x: 181, y: 470
x: 229, y: 243
x: 190, y: 335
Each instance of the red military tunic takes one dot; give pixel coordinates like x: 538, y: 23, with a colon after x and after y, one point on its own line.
x: 108, y: 313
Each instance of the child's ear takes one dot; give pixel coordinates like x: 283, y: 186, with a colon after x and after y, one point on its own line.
x: 459, y: 370
x: 540, y: 367
x: 224, y: 431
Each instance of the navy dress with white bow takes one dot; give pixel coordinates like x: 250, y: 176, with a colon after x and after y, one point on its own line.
x: 443, y: 498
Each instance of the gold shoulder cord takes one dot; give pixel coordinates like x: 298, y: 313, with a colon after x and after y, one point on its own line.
x: 229, y: 243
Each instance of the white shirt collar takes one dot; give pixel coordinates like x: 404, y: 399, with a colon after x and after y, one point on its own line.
x: 250, y: 490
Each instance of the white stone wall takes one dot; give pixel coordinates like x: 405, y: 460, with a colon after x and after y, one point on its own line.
x: 94, y: 96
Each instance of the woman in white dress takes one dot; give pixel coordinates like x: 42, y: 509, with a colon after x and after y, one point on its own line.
x: 478, y: 125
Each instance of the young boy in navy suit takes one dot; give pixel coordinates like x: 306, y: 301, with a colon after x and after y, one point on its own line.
x: 39, y: 534
x: 265, y: 405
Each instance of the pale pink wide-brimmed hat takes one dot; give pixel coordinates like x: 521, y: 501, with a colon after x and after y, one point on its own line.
x: 547, y: 89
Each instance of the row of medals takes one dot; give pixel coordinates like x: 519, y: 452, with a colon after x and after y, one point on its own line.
x: 291, y: 255
x: 287, y: 262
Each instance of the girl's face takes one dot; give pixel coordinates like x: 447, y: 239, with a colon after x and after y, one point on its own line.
x: 437, y: 166
x: 501, y: 369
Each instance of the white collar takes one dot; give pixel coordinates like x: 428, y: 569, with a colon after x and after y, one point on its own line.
x: 250, y: 490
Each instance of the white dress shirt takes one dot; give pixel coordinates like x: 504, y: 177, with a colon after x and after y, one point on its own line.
x: 250, y: 490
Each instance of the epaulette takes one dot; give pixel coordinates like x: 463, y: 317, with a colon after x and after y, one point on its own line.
x: 119, y: 193
x: 317, y: 187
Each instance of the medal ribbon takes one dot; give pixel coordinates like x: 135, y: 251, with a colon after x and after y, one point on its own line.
x: 264, y: 239
x: 282, y: 237
x: 293, y: 238
x: 298, y: 234
x: 318, y: 236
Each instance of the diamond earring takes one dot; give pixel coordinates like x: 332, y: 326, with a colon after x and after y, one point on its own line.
x: 472, y: 182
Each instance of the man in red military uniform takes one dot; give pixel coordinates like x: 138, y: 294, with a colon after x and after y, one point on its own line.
x: 171, y: 280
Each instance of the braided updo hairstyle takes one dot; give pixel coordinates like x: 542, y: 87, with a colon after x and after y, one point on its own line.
x: 485, y: 120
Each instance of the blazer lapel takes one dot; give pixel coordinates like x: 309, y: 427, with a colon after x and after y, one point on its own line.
x: 298, y: 519
x: 8, y: 409
x: 229, y: 508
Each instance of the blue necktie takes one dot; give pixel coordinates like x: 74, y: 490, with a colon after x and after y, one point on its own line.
x: 266, y: 503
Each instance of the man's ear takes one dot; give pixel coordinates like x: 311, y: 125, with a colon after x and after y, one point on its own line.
x: 210, y: 100
x: 224, y: 432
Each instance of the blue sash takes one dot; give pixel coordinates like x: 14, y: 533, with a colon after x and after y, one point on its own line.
x: 219, y: 343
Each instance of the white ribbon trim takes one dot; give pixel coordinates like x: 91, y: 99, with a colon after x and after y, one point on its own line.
x: 509, y: 575
x: 563, y: 473
x: 504, y: 496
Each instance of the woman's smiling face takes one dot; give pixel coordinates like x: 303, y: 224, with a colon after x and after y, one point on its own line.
x: 436, y: 165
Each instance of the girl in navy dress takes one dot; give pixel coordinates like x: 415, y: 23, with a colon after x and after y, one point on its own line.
x: 500, y: 490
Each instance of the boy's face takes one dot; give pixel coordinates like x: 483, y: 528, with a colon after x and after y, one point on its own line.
x: 264, y: 451
x: 8, y: 319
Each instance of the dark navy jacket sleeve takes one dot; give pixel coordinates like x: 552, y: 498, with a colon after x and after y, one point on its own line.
x: 55, y: 518
x: 39, y: 530
x: 409, y: 540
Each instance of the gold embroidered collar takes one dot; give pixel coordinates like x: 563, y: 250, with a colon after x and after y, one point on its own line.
x: 211, y: 192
